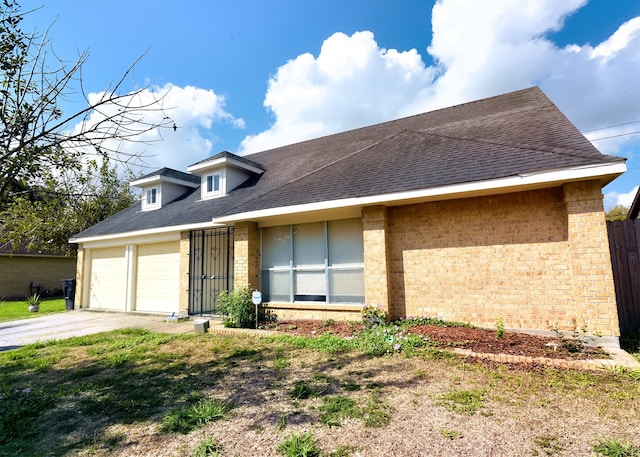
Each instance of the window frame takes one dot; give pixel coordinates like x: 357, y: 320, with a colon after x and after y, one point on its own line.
x: 327, y: 268
x: 151, y: 198
x: 211, y: 178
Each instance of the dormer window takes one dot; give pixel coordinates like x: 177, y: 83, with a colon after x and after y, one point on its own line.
x: 151, y: 199
x: 213, y: 183
x: 222, y: 173
x: 163, y: 186
x: 152, y: 196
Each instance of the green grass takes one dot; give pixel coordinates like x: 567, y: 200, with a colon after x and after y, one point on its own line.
x: 613, y: 448
x: 462, y: 401
x: 12, y: 310
x: 89, y: 395
x: 299, y: 446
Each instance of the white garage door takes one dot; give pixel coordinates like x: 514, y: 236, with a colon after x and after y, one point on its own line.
x: 158, y: 277
x: 107, y: 289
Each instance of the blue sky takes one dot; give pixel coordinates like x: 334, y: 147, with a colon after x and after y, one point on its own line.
x: 247, y: 75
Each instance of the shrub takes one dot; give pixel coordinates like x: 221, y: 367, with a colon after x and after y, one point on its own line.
x: 372, y: 316
x: 237, y: 308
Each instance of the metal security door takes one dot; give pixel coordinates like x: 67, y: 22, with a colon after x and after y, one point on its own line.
x: 210, y: 268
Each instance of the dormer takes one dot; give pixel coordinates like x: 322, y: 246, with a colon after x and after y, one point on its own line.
x: 163, y: 186
x: 223, y: 172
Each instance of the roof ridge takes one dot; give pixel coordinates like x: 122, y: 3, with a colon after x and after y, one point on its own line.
x: 525, y: 146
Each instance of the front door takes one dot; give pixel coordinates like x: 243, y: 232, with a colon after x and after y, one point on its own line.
x: 210, y: 268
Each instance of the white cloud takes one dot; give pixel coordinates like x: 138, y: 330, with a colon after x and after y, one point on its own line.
x: 351, y: 83
x: 193, y: 110
x: 480, y: 49
x: 613, y: 198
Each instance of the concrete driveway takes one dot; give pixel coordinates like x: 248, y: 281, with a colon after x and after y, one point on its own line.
x: 14, y: 334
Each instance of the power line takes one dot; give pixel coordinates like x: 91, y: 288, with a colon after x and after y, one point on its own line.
x: 611, y: 126
x: 615, y: 136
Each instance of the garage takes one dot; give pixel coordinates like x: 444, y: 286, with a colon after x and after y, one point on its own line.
x: 107, y: 287
x: 157, y: 278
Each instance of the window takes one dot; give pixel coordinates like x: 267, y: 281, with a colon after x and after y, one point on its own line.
x: 152, y: 196
x: 212, y: 184
x: 316, y: 262
x: 151, y: 199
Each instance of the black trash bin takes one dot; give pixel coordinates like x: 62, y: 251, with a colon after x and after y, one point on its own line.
x: 69, y: 292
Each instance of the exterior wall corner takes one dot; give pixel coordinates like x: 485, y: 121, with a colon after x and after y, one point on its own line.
x: 376, y: 259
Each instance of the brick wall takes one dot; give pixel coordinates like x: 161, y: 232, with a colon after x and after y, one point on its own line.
x: 594, y: 290
x: 19, y: 271
x: 376, y: 267
x: 246, y: 247
x: 513, y: 256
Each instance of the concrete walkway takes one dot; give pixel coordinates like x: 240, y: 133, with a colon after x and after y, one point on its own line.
x: 14, y: 334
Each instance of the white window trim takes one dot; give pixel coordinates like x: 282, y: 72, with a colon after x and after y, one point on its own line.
x: 205, y: 194
x: 150, y: 206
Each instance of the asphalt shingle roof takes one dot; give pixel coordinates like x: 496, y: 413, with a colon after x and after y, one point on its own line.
x: 516, y: 133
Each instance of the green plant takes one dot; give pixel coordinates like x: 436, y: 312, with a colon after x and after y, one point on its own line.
x: 372, y: 316
x: 376, y: 413
x: 334, y: 409
x: 461, y: 401
x: 302, y: 390
x: 450, y: 434
x: 186, y: 419
x: 500, y: 327
x: 237, y: 308
x: 343, y: 451
x: 33, y: 300
x: 206, y: 448
x: 613, y: 448
x: 547, y: 445
x: 573, y: 343
x: 299, y: 446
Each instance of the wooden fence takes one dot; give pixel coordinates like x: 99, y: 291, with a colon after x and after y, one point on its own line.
x: 624, y: 246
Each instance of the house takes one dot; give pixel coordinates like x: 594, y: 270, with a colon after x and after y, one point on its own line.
x: 24, y: 272
x: 488, y: 210
x: 635, y: 207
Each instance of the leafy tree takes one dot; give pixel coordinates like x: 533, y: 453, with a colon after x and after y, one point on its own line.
x: 44, y: 217
x: 35, y: 135
x: 617, y: 213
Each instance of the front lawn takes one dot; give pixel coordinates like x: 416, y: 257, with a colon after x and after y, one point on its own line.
x: 133, y: 392
x: 12, y: 310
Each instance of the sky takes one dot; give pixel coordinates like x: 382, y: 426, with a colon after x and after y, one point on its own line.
x: 248, y: 75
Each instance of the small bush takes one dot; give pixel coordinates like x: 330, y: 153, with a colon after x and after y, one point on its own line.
x: 237, y: 308
x: 372, y: 316
x: 299, y: 446
x: 206, y: 448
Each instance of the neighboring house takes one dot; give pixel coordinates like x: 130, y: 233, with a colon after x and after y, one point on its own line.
x: 483, y: 211
x: 24, y: 272
x: 635, y: 207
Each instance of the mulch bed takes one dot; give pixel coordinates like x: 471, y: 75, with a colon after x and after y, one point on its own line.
x: 475, y: 339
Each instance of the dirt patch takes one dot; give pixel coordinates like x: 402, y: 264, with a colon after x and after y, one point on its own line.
x: 474, y: 339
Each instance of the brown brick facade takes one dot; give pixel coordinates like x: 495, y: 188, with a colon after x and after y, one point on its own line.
x: 246, y: 246
x: 18, y: 271
x: 514, y: 256
x: 376, y: 265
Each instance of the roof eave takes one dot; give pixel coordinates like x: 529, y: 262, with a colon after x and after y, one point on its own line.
x: 521, y: 182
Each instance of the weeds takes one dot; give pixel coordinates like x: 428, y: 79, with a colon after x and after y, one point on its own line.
x: 462, y: 401
x: 334, y: 409
x: 299, y: 446
x: 206, y: 448
x: 613, y: 448
x: 450, y: 434
x: 189, y: 418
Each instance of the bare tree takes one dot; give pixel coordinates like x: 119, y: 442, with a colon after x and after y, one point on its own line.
x: 35, y: 135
